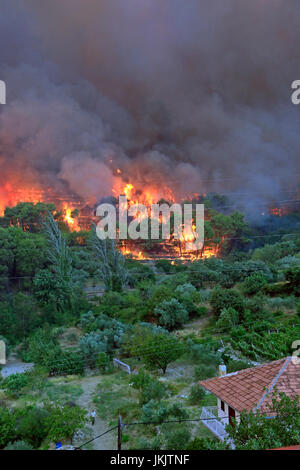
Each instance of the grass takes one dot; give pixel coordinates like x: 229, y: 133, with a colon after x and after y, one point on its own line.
x: 62, y: 393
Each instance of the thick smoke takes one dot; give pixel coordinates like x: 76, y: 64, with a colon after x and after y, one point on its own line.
x: 194, y: 95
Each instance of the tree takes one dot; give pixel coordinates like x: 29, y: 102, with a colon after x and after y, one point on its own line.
x: 111, y: 265
x: 63, y: 422
x: 7, y: 426
x: 27, y: 215
x: 254, y: 283
x: 149, y: 388
x: 57, y: 284
x: 22, y: 254
x: 51, y: 290
x: 157, y: 412
x: 15, y: 383
x: 258, y: 431
x: 225, y: 298
x: 91, y: 345
x: 199, y: 443
x: 18, y: 445
x: 196, y: 394
x: 161, y: 350
x: 293, y: 277
x: 178, y: 437
x: 171, y: 314
x: 228, y: 318
x: 31, y: 425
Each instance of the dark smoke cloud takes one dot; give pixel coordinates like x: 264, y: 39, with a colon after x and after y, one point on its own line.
x: 192, y: 94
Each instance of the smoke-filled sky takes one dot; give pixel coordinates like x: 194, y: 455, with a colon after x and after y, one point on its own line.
x: 193, y: 94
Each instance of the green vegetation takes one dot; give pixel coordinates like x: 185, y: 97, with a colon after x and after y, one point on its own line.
x: 172, y: 323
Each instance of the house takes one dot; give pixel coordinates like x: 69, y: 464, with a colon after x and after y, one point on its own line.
x: 251, y: 389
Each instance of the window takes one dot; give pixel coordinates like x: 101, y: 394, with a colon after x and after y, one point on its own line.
x: 222, y: 405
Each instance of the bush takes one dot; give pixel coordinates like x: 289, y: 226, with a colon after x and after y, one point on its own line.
x: 196, y: 395
x: 254, y: 283
x: 31, y: 425
x: 7, y: 426
x: 204, y: 372
x: 228, y: 318
x: 178, y: 438
x: 206, y: 444
x: 103, y: 362
x: 225, y: 298
x: 156, y: 412
x: 15, y: 383
x: 235, y: 365
x: 19, y: 445
x: 171, y: 314
x: 149, y: 388
x: 67, y: 363
x: 202, y: 311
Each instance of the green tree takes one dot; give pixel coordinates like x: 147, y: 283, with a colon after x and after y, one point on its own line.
x: 63, y: 422
x: 171, y: 314
x: 278, y: 427
x: 7, y: 426
x: 161, y: 350
x: 111, y: 263
x: 15, y: 383
x: 228, y: 318
x: 19, y: 445
x: 196, y: 394
x: 293, y: 278
x: 27, y: 215
x: 31, y: 425
x: 225, y: 298
x: 178, y: 437
x: 254, y: 283
x: 148, y: 388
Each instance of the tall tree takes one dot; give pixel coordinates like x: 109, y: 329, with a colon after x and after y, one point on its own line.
x: 111, y: 267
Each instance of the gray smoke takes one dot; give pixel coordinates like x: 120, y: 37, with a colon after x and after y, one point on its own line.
x: 194, y: 95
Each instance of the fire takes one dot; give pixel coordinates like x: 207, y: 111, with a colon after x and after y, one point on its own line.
x: 69, y: 220
x: 276, y: 211
x: 172, y: 249
x: 168, y: 249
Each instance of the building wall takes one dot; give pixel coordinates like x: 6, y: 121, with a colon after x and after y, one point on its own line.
x: 224, y: 414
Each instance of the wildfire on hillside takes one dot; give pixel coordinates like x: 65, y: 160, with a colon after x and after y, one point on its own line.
x: 78, y: 214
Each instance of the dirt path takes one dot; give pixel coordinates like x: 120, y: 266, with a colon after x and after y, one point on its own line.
x: 107, y: 442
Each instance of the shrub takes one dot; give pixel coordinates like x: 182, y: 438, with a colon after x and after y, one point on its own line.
x: 149, y: 388
x: 31, y: 425
x: 225, y: 298
x: 202, y: 311
x: 204, y: 371
x: 178, y: 438
x: 91, y: 345
x: 171, y: 314
x: 228, y: 318
x: 156, y: 412
x: 254, y: 283
x: 196, y: 394
x: 103, y: 362
x: 66, y: 363
x: 7, y: 426
x: 234, y: 365
x: 19, y: 445
x: 15, y: 383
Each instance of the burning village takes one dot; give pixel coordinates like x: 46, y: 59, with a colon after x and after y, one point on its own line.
x: 149, y: 227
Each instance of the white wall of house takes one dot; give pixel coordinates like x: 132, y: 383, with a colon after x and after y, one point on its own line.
x: 224, y: 414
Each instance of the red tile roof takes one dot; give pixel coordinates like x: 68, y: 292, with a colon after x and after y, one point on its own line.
x: 288, y: 448
x: 251, y: 389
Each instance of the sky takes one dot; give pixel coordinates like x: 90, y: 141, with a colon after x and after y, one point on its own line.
x: 191, y: 95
